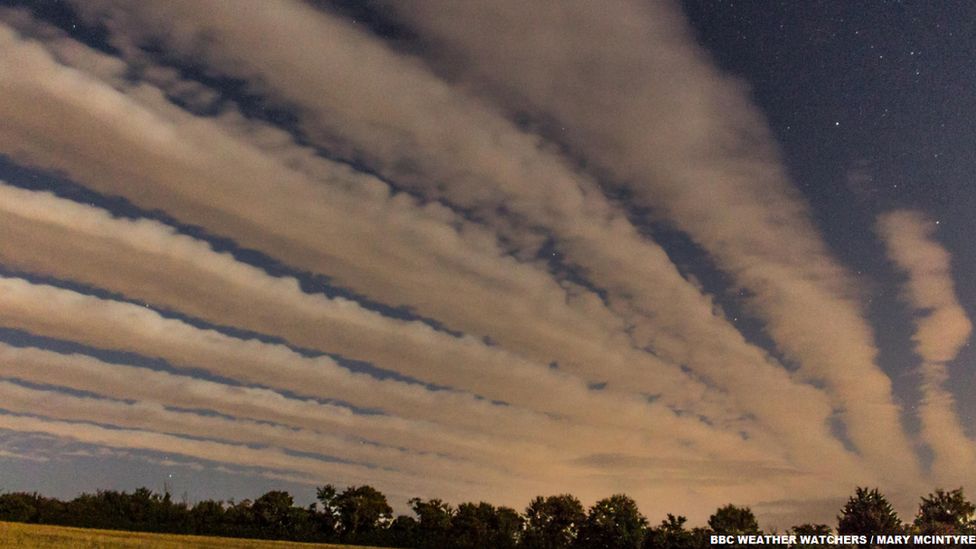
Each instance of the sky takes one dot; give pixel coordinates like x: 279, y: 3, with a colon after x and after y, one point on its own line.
x: 699, y: 253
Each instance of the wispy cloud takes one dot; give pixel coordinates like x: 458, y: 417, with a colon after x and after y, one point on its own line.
x: 660, y: 309
x: 251, y: 299
x: 942, y: 329
x: 686, y: 141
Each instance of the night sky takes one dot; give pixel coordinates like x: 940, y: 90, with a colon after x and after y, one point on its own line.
x: 699, y: 252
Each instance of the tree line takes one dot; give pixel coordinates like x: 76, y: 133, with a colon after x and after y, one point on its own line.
x: 362, y: 515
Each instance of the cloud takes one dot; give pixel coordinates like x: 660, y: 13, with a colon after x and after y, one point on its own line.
x: 146, y: 387
x: 251, y: 299
x: 685, y: 141
x: 7, y: 454
x: 942, y: 329
x: 415, y: 247
x: 108, y: 324
x: 154, y: 416
x: 202, y: 449
x: 455, y: 277
x: 669, y: 394
x: 517, y: 172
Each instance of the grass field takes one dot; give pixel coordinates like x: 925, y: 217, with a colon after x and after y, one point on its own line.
x: 13, y: 534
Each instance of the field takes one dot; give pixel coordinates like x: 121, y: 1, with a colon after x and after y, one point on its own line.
x: 42, y: 536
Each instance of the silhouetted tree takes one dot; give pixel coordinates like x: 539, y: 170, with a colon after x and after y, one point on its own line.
x: 360, y: 511
x: 273, y: 514
x: 19, y: 507
x: 732, y: 520
x: 361, y: 515
x: 471, y: 527
x: 402, y: 532
x: 482, y: 526
x: 613, y: 523
x: 239, y: 518
x: 142, y: 508
x: 207, y: 517
x: 552, y: 522
x: 507, y: 528
x: 327, y: 519
x: 868, y: 512
x: 811, y: 530
x: 433, y: 523
x: 945, y: 513
x: 671, y: 534
x: 172, y: 515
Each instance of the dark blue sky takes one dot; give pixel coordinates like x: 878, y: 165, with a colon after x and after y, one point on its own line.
x: 873, y: 105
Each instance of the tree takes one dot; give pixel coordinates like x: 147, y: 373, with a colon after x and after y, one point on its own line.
x: 402, y: 532
x: 207, y: 517
x: 327, y: 520
x: 868, y: 512
x: 506, y: 528
x: 433, y: 522
x: 472, y: 526
x: 552, y: 522
x: 360, y: 511
x: 141, y: 508
x: 273, y: 514
x: 613, y: 522
x: 810, y: 530
x: 732, y: 520
x: 104, y: 509
x: 18, y: 507
x: 483, y: 526
x: 671, y: 534
x: 326, y: 495
x: 239, y: 518
x: 945, y: 513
